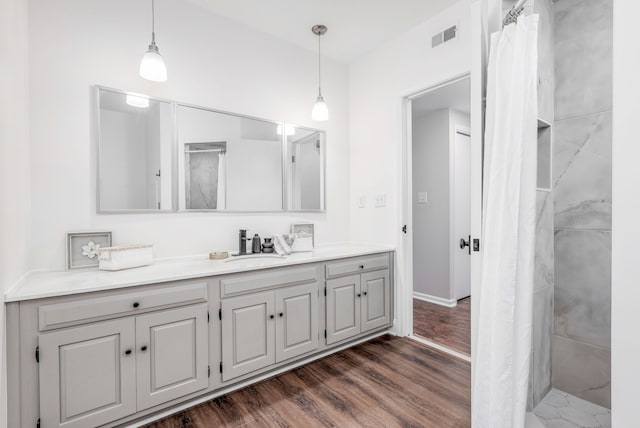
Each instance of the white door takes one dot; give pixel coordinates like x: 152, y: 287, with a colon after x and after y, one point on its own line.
x: 461, y: 215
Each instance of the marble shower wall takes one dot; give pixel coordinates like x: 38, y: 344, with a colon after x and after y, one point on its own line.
x: 581, y: 346
x: 540, y: 374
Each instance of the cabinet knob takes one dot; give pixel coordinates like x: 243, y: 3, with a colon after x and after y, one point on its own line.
x: 127, y: 352
x: 358, y: 295
x: 143, y: 348
x: 136, y: 304
x: 365, y: 293
x: 361, y: 266
x: 281, y: 314
x: 271, y: 316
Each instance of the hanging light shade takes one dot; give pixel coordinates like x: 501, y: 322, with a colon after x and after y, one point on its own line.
x: 152, y: 66
x: 320, y: 111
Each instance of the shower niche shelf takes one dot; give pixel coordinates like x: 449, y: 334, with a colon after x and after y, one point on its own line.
x: 544, y: 179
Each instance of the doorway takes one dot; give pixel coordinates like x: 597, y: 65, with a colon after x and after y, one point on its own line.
x: 440, y: 190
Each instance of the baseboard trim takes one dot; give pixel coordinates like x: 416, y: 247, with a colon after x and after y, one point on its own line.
x: 449, y: 303
x: 444, y: 349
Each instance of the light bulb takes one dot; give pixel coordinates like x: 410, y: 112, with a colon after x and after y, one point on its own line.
x: 152, y: 66
x: 320, y: 112
x: 137, y: 101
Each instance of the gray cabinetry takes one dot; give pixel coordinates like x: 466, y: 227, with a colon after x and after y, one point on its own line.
x: 248, y: 334
x: 297, y: 321
x: 171, y: 354
x: 94, y: 374
x: 343, y: 308
x: 359, y: 301
x: 87, y: 374
x: 265, y: 328
x: 376, y: 304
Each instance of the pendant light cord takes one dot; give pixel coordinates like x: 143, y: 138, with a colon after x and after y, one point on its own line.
x: 319, y: 68
x: 153, y: 22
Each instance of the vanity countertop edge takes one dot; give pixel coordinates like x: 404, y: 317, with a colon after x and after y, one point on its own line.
x: 44, y: 284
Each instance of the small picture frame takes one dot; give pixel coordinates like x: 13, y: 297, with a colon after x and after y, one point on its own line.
x: 82, y: 248
x: 304, y: 227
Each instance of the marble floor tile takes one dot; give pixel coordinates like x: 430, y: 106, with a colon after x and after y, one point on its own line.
x: 582, y: 286
x: 560, y: 409
x: 582, y: 369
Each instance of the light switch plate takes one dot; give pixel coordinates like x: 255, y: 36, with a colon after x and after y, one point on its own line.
x: 381, y: 199
x: 362, y: 201
x: 422, y: 197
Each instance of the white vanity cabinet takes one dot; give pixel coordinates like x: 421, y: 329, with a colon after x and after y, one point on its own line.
x: 261, y: 329
x: 357, y: 302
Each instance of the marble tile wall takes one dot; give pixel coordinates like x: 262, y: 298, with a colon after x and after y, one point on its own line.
x: 582, y: 198
x: 540, y: 374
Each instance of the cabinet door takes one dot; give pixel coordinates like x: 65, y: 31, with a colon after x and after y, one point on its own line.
x: 297, y: 321
x: 248, y: 334
x: 87, y: 378
x: 343, y: 308
x: 172, y: 354
x: 376, y: 305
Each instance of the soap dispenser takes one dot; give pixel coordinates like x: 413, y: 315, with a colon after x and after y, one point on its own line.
x: 256, y: 244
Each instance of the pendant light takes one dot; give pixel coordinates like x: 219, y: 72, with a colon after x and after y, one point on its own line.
x: 152, y: 66
x: 320, y: 111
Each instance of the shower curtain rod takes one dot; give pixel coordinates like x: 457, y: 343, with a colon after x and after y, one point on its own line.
x: 514, y: 12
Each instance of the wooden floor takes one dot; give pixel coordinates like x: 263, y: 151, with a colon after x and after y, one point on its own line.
x: 387, y: 382
x: 450, y: 327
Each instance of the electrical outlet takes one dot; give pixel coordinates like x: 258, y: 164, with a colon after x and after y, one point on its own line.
x: 362, y: 201
x: 422, y: 197
x: 381, y: 200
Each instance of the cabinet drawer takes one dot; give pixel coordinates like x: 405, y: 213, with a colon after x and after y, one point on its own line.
x: 61, y: 314
x: 239, y: 284
x: 358, y: 264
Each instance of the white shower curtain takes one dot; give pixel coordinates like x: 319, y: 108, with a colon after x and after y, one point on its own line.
x: 502, y: 358
x: 221, y: 199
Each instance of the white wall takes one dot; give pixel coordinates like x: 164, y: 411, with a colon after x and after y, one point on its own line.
x: 14, y: 161
x: 377, y: 82
x: 625, y: 292
x: 212, y: 62
x: 431, y: 240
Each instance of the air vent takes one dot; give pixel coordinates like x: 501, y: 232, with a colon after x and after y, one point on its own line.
x: 443, y: 37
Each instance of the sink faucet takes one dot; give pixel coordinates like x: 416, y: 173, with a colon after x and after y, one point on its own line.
x: 243, y: 242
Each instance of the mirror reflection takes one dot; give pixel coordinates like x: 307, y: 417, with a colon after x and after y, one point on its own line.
x: 135, y: 152
x: 228, y: 162
x: 305, y: 169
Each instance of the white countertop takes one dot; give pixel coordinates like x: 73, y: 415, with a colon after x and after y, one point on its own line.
x: 42, y: 284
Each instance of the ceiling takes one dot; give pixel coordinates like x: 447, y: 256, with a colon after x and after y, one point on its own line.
x: 455, y: 96
x: 355, y: 26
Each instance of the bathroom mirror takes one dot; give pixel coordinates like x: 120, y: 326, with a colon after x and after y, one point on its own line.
x: 228, y: 162
x: 135, y: 152
x: 158, y: 155
x: 305, y: 169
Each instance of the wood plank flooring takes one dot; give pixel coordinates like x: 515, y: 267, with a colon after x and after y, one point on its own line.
x: 386, y: 382
x: 450, y: 327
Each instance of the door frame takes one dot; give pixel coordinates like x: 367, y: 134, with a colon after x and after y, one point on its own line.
x: 405, y: 267
x: 453, y: 249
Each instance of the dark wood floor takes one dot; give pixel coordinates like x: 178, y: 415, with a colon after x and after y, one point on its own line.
x: 450, y: 327
x: 386, y: 382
